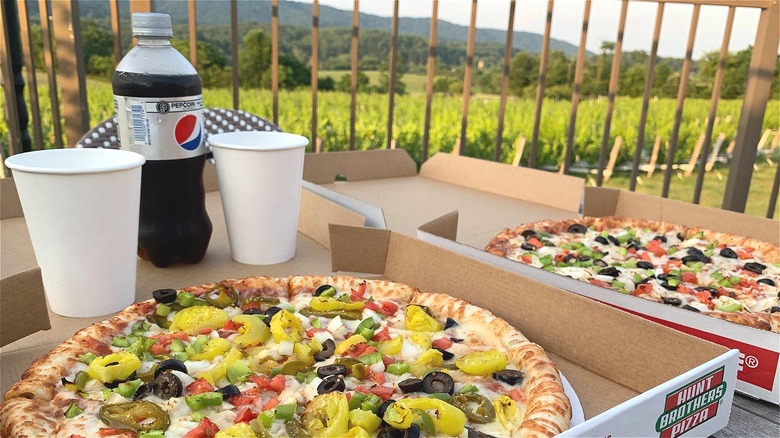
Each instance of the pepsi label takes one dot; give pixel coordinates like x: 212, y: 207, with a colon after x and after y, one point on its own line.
x: 161, y: 129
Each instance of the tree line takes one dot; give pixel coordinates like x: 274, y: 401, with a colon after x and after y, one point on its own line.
x: 334, y: 54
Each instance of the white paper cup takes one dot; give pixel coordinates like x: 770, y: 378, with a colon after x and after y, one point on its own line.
x: 81, y: 209
x: 260, y: 177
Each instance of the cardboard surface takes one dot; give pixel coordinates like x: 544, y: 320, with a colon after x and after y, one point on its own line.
x: 25, y: 287
x: 357, y: 165
x: 622, y: 367
x: 10, y: 206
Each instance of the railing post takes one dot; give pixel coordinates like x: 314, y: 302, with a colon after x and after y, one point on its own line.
x: 391, y: 85
x: 193, y: 30
x: 71, y: 69
x: 762, y: 66
x: 12, y: 70
x: 141, y: 6
x: 116, y: 30
x: 234, y: 52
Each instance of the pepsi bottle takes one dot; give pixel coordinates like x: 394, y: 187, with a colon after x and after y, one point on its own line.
x: 159, y: 108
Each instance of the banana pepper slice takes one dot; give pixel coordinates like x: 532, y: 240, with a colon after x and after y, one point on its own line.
x: 419, y: 320
x: 213, y: 348
x: 253, y: 331
x: 192, y: 320
x: 345, y: 344
x: 325, y: 304
x: 286, y: 327
x: 327, y: 415
x: 446, y: 418
x: 398, y: 416
x: 482, y: 363
x: 506, y: 409
x: 116, y: 366
x: 392, y: 346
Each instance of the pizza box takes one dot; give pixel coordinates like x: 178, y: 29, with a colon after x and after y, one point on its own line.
x: 628, y: 373
x: 759, y: 350
x: 28, y: 335
x: 488, y: 195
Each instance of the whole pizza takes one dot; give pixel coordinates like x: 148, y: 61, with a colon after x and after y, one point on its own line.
x: 298, y: 357
x: 730, y: 277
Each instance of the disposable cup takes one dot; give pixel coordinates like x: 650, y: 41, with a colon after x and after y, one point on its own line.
x: 81, y: 209
x: 259, y: 176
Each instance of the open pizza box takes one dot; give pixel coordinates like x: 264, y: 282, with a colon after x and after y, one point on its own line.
x: 627, y: 372
x: 759, y: 350
x: 29, y: 334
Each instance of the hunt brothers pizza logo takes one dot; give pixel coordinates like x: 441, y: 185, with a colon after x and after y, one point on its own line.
x: 691, y: 405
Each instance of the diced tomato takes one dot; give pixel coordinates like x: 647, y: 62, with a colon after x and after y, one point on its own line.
x: 247, y: 397
x: 358, y: 294
x: 559, y: 257
x: 746, y: 283
x: 73, y: 435
x: 245, y: 415
x: 205, y: 331
x: 360, y: 350
x: 705, y: 297
x: 382, y: 335
x: 165, y: 339
x: 643, y: 289
x: 443, y: 343
x: 113, y: 431
x: 230, y: 325
x: 632, y: 250
x: 535, y: 242
x: 676, y: 263
x: 199, y: 386
x: 526, y: 259
x: 596, y: 282
x: 723, y: 292
x: 278, y: 383
x: 747, y: 273
x: 251, y: 305
x: 262, y: 382
x: 205, y: 429
x: 158, y: 348
x: 744, y: 254
x: 689, y: 277
x: 681, y: 288
x: 372, y: 305
x: 516, y: 395
x: 654, y: 246
x: 645, y: 256
x: 384, y: 392
x: 226, y: 333
x: 271, y: 403
x: 379, y: 378
x: 389, y: 308
x: 310, y: 332
x: 387, y: 360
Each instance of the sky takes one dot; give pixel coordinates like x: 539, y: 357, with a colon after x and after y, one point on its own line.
x: 604, y: 17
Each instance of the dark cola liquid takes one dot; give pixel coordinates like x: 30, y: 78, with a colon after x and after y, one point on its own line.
x: 174, y: 225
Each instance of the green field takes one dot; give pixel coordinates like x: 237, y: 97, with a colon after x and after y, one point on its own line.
x: 415, y: 83
x: 371, y: 125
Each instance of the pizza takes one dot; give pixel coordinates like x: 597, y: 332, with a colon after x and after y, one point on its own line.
x: 299, y: 356
x: 725, y: 276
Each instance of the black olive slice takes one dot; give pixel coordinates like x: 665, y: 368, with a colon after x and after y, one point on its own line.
x: 457, y: 340
x: 569, y: 257
x: 635, y: 245
x: 410, y: 385
x: 768, y: 281
x: 170, y: 365
x: 438, y: 382
x: 583, y: 258
x: 660, y: 238
x: 331, y: 384
x: 167, y: 385
x: 694, y: 251
x: 668, y: 286
x: 664, y: 277
x: 646, y: 280
x: 614, y: 240
x: 547, y: 243
x: 229, y: 391
x: 610, y: 271
x: 758, y: 268
x: 145, y: 390
x: 527, y: 246
x: 528, y: 232
x: 477, y: 434
x: 320, y: 290
x: 512, y: 377
x: 774, y: 309
x: 711, y: 290
x: 446, y: 355
x: 577, y: 228
x: 253, y: 311
x: 164, y: 296
x: 644, y: 265
x: 728, y: 253
x: 691, y: 308
x: 450, y: 323
x: 672, y: 301
x: 383, y: 408
x: 273, y: 310
x: 328, y: 348
x: 680, y: 237
x: 690, y: 258
x: 602, y: 240
x: 387, y: 431
x: 600, y: 263
x: 331, y: 370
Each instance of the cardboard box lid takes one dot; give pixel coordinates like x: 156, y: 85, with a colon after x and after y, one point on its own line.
x: 357, y: 165
x: 584, y: 332
x: 600, y: 201
x: 26, y: 288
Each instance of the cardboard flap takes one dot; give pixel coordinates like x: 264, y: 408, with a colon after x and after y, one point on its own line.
x: 27, y: 288
x: 541, y: 187
x: 445, y: 226
x: 317, y: 213
x: 600, y: 201
x: 358, y: 165
x: 10, y: 206
x: 374, y: 216
x: 358, y: 249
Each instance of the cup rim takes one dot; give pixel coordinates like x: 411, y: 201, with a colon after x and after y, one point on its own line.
x: 22, y: 162
x: 282, y: 140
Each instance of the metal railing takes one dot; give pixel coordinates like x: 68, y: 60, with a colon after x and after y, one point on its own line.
x: 60, y: 23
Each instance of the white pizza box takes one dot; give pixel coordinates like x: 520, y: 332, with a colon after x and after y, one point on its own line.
x: 632, y: 377
x: 28, y: 329
x: 759, y: 349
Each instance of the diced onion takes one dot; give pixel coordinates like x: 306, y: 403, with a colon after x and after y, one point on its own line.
x: 378, y: 367
x: 286, y: 348
x: 321, y: 337
x: 335, y: 324
x: 185, y: 378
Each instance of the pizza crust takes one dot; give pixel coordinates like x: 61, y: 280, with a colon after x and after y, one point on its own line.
x: 548, y: 410
x: 379, y: 289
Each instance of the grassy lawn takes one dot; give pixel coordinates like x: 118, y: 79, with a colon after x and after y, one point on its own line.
x: 415, y: 83
x: 681, y: 187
